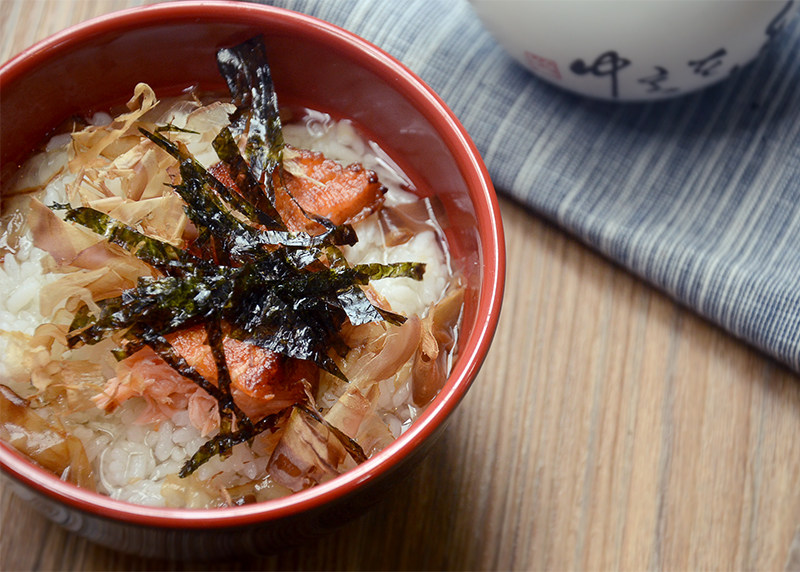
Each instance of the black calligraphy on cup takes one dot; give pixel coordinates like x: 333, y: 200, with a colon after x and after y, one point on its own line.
x: 606, y: 64
x: 655, y: 81
x: 708, y: 65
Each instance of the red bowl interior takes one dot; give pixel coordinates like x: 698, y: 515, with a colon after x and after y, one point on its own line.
x: 314, y: 64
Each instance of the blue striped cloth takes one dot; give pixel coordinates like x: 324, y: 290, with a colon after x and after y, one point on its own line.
x: 700, y: 195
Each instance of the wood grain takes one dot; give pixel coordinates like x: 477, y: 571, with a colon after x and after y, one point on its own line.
x: 609, y: 429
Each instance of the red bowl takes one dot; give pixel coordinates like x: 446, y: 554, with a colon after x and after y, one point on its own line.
x: 314, y: 64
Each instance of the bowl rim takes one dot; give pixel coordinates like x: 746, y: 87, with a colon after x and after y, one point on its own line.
x: 492, y: 261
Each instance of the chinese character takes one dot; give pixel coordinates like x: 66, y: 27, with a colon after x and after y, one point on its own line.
x: 706, y: 66
x: 654, y: 81
x: 607, y: 64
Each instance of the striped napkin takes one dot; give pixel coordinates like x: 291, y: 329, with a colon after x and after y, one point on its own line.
x: 699, y: 195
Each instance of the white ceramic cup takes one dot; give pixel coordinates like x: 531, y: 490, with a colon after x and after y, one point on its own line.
x: 634, y: 50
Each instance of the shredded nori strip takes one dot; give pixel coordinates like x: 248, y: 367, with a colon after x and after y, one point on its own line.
x: 162, y: 255
x: 222, y: 443
x: 245, y: 181
x: 288, y: 292
x: 246, y: 71
x: 173, y: 128
x: 226, y: 405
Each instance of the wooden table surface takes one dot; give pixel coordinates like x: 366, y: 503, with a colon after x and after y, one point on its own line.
x: 609, y: 429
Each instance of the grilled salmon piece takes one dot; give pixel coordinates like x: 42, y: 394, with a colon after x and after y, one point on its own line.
x: 309, y: 182
x: 262, y: 382
x: 257, y: 372
x: 324, y: 187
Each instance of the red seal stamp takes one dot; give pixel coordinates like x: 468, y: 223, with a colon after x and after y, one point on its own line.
x: 542, y: 65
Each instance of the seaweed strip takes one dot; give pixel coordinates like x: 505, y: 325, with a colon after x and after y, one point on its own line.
x: 163, y: 304
x: 160, y: 254
x: 259, y: 205
x: 223, y: 443
x: 225, y: 406
x: 169, y: 127
x: 376, y: 271
x: 246, y: 71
